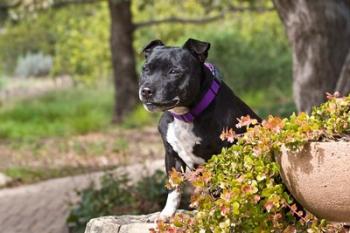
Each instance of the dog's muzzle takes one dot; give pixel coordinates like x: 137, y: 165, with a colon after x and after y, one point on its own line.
x: 161, y: 106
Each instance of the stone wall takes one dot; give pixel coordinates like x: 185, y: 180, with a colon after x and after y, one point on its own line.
x: 119, y: 224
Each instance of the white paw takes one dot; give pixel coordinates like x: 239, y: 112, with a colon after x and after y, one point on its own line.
x: 153, y: 218
x: 165, y: 216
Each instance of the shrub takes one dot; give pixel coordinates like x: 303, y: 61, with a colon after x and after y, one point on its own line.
x: 253, y: 197
x: 117, y: 196
x: 33, y: 65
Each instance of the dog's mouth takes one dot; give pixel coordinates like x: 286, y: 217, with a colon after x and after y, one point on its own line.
x: 162, y: 106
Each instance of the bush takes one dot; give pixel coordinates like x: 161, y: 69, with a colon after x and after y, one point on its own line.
x: 253, y: 197
x: 117, y: 197
x: 33, y: 65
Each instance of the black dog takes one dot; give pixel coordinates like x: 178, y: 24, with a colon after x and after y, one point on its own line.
x: 197, y: 106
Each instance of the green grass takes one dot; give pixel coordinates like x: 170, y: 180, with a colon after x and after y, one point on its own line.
x: 60, y: 113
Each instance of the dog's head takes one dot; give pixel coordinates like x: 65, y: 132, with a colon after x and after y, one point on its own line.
x: 171, y: 76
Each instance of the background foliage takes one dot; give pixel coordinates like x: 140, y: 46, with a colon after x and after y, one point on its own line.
x: 78, y: 44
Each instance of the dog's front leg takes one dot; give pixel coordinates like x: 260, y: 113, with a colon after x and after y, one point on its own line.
x: 174, y: 196
x: 172, y: 204
x: 172, y: 161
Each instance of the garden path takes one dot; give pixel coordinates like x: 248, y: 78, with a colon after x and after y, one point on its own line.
x: 43, y: 207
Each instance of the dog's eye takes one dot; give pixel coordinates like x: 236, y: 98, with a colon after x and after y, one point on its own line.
x: 173, y: 71
x: 145, y: 68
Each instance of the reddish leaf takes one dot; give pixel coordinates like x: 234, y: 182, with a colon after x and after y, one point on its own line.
x: 226, y: 195
x: 332, y: 96
x: 245, y: 121
x: 274, y: 123
x: 176, y: 178
x: 269, y: 205
x: 225, y: 210
x: 228, y: 134
x: 256, y: 198
x: 247, y: 188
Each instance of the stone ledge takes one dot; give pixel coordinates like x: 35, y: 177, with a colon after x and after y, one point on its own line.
x: 119, y: 224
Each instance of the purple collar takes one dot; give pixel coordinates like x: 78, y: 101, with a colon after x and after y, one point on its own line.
x: 206, y: 100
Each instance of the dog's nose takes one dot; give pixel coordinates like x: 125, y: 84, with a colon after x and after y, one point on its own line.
x: 146, y: 92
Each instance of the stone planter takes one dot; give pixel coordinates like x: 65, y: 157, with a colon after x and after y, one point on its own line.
x: 319, y: 178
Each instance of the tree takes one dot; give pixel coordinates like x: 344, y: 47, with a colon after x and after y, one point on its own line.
x: 123, y: 59
x: 319, y: 33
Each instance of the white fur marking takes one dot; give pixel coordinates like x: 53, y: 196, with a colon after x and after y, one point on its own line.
x: 145, y: 106
x: 179, y: 110
x: 140, y: 96
x: 182, y: 139
x: 172, y: 203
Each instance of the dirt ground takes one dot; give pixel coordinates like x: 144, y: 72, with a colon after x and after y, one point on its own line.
x: 90, y: 152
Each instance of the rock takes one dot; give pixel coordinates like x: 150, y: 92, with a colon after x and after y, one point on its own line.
x: 119, y: 224
x: 319, y: 178
x: 4, y: 179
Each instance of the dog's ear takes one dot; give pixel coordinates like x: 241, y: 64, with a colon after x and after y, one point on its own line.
x: 197, y: 48
x: 151, y: 45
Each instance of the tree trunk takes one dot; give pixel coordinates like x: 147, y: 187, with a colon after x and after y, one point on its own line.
x: 319, y: 33
x: 123, y: 59
x: 343, y: 85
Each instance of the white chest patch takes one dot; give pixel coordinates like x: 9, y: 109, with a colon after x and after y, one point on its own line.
x: 182, y: 139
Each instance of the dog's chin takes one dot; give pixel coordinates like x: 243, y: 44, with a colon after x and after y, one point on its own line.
x: 151, y: 108
x: 161, y: 106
